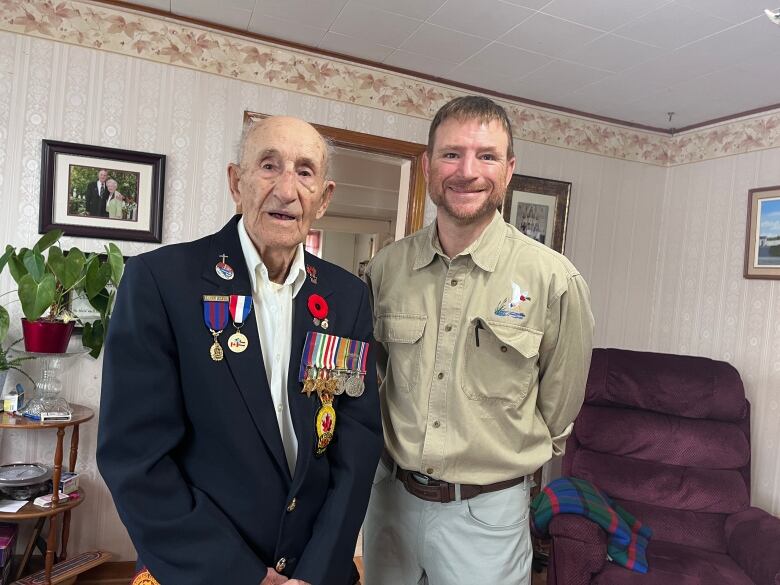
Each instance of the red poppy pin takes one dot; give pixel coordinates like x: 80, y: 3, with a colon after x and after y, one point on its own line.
x: 318, y: 308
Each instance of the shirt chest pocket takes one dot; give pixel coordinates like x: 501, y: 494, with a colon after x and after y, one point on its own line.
x: 500, y: 360
x: 402, y: 337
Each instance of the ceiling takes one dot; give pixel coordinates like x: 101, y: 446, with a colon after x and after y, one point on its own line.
x: 631, y: 60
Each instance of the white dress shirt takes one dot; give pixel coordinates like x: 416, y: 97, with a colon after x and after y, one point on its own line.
x: 273, y: 309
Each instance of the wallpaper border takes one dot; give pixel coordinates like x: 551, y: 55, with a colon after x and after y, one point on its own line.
x: 182, y: 44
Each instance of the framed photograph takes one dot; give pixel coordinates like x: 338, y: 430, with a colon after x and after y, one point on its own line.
x: 539, y: 208
x: 99, y: 192
x: 762, y: 241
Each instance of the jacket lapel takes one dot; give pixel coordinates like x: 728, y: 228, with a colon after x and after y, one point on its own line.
x: 247, y: 368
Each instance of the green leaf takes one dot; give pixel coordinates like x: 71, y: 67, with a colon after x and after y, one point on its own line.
x: 9, y: 250
x: 35, y: 265
x: 92, y: 337
x: 36, y: 297
x: 16, y: 266
x: 100, y: 302
x: 47, y: 240
x: 5, y: 321
x: 56, y: 263
x: 72, y: 266
x: 97, y: 278
x: 115, y: 260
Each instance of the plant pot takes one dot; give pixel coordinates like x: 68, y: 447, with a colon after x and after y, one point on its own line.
x: 46, y: 336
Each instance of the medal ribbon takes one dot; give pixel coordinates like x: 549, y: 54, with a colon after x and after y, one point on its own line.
x: 333, y: 353
x: 308, y: 355
x: 240, y: 305
x: 215, y: 311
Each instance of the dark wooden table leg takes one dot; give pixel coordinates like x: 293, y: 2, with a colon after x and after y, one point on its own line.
x: 51, y: 541
x: 74, y: 448
x: 74, y: 452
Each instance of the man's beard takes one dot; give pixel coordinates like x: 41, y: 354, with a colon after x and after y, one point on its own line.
x: 465, y: 217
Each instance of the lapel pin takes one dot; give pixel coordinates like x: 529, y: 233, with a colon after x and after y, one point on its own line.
x: 224, y: 270
x: 312, y: 272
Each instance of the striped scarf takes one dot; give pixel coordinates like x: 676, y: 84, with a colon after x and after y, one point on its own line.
x: 627, y: 541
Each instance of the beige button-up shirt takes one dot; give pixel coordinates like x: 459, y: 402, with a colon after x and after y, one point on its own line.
x: 483, y: 357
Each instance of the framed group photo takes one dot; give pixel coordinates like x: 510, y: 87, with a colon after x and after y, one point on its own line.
x: 539, y: 208
x: 762, y: 240
x: 99, y: 192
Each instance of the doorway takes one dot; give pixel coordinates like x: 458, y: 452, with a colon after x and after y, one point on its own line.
x: 379, y: 197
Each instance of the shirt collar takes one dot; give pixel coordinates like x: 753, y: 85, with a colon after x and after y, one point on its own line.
x: 254, y: 264
x: 484, y: 251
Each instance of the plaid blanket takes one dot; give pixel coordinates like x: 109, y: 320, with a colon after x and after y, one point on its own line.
x: 627, y: 540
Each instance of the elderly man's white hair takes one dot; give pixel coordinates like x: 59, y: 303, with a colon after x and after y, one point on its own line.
x: 330, y: 148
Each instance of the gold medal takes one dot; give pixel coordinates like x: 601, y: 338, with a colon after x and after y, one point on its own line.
x: 331, y: 385
x: 216, y: 351
x: 308, y: 386
x: 325, y: 424
x: 237, y: 342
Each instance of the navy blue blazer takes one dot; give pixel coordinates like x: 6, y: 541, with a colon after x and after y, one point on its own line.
x: 190, y: 448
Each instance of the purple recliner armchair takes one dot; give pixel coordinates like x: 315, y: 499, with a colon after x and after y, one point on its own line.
x: 668, y: 437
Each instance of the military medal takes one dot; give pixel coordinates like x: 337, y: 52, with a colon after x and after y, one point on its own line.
x: 144, y: 578
x: 240, y: 305
x: 325, y: 423
x: 215, y: 315
x: 359, y: 360
x: 224, y: 270
x: 331, y: 364
x: 318, y: 307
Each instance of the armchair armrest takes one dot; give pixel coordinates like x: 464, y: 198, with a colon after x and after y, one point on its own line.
x: 753, y: 538
x: 579, y: 550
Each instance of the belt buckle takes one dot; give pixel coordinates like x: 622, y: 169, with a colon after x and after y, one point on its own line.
x: 421, y: 478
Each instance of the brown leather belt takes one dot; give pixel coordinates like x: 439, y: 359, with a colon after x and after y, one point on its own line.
x: 434, y: 490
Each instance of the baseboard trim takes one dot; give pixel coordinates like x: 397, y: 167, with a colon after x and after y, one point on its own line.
x: 114, y: 573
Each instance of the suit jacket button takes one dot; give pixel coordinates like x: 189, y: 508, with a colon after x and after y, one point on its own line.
x: 291, y: 506
x: 281, y: 564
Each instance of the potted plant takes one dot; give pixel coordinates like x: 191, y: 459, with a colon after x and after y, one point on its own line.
x: 48, y: 278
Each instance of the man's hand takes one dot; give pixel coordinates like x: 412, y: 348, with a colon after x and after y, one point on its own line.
x: 274, y: 578
x: 296, y: 582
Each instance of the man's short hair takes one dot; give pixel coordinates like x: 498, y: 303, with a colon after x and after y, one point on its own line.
x: 472, y: 107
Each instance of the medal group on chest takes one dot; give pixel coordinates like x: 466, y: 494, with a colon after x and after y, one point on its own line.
x: 330, y: 365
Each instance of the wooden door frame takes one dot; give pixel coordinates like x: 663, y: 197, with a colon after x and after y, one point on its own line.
x: 411, y: 151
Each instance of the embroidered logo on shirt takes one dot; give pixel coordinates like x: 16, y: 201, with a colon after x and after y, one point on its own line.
x: 510, y: 306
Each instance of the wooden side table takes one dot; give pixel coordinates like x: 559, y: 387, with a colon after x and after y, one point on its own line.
x: 81, y: 414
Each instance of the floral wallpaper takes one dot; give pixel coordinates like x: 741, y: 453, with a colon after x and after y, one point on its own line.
x: 735, y: 137
x: 176, y: 43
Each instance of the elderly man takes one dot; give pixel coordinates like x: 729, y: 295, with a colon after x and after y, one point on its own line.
x: 233, y: 454
x: 97, y: 195
x: 483, y: 368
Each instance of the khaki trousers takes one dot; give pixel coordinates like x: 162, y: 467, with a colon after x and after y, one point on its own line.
x: 408, y: 541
